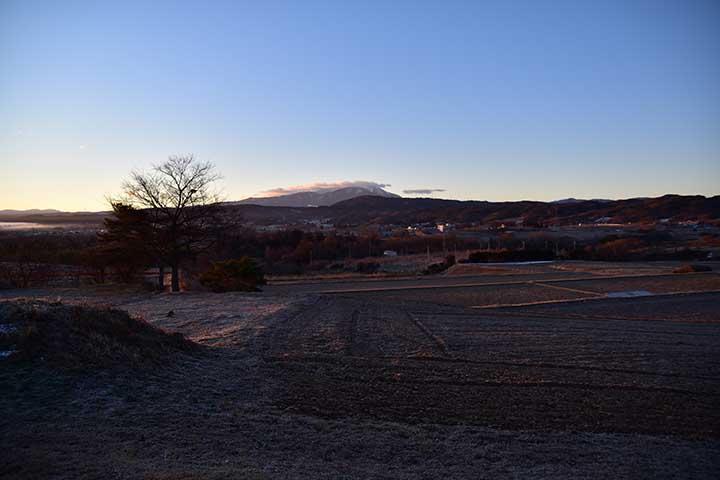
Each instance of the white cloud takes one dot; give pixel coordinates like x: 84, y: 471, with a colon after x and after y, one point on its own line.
x: 320, y: 187
x: 423, y: 191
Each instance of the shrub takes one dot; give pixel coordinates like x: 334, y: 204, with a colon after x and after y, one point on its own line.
x: 620, y: 249
x: 450, y: 260
x: 692, y: 269
x: 367, y: 267
x: 440, y: 267
x: 243, y: 275
x: 23, y: 274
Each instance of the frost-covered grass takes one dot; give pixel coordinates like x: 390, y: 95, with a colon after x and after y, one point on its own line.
x: 256, y: 403
x: 80, y: 336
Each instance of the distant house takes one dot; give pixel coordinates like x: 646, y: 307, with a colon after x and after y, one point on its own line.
x: 423, y: 229
x: 270, y: 228
x: 387, y: 231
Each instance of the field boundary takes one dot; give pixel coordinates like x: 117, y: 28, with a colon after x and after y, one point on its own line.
x: 439, y: 342
x: 601, y: 296
x: 503, y: 283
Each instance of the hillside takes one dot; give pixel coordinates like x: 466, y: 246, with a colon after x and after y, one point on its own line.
x: 418, y: 210
x: 401, y: 211
x: 317, y: 198
x: 54, y: 217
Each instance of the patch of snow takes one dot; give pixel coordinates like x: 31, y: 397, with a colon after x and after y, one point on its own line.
x: 7, y: 328
x: 629, y: 294
x: 494, y: 264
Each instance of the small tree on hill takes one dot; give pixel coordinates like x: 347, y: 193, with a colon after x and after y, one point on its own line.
x: 182, y: 210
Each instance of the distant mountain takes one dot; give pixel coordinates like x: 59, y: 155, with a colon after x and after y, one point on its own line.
x: 378, y: 210
x: 322, y: 198
x: 578, y: 200
x: 419, y: 210
x: 34, y: 211
x: 390, y: 209
x: 51, y: 216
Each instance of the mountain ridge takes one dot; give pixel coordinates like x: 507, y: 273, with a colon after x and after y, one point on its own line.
x: 373, y: 209
x: 320, y: 198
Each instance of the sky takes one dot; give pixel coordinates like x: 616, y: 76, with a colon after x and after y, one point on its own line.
x: 486, y: 100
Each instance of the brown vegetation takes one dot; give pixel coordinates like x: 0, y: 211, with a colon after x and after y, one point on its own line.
x: 241, y: 275
x: 692, y: 269
x: 80, y: 336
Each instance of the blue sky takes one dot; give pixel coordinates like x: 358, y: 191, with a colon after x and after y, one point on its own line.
x: 502, y: 100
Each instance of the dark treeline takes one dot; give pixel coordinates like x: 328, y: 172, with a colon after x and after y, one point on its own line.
x: 50, y: 248
x: 35, y: 260
x: 171, y: 219
x: 296, y: 252
x: 120, y: 253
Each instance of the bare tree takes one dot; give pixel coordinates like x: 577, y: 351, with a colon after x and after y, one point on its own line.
x: 183, y: 209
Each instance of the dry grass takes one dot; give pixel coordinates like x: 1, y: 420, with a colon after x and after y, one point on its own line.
x: 75, y: 336
x: 692, y: 269
x: 610, y: 269
x: 473, y: 269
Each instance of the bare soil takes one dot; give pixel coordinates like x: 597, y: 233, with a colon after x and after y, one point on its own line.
x: 461, y: 269
x: 690, y: 282
x: 402, y: 384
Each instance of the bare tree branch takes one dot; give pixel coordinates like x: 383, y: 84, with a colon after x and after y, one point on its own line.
x: 183, y: 209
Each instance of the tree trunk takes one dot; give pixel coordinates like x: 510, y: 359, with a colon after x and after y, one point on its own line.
x: 161, y: 277
x: 175, y: 278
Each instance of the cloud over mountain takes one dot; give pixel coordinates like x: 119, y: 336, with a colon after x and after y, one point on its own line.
x: 423, y: 191
x: 318, y: 194
x: 321, y: 187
